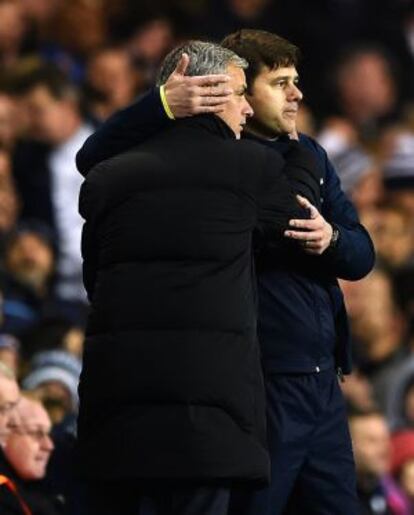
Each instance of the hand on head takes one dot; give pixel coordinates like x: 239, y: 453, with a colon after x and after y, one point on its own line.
x: 187, y: 96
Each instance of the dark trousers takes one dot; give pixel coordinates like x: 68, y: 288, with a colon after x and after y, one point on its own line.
x: 126, y: 498
x: 312, y: 466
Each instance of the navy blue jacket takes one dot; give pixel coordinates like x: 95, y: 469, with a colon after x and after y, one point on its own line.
x: 303, y: 324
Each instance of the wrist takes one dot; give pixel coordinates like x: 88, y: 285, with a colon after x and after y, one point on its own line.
x: 333, y: 243
x: 165, y: 104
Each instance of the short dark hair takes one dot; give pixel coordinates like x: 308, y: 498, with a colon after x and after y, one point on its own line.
x: 261, y: 48
x: 52, y: 78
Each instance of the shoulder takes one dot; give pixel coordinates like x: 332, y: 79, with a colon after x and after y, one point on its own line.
x: 321, y: 153
x: 312, y: 144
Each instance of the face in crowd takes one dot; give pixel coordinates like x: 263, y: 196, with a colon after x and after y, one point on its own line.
x: 29, y: 446
x: 371, y: 444
x: 30, y: 260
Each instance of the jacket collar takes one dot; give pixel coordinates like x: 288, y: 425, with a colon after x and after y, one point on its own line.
x: 210, y: 123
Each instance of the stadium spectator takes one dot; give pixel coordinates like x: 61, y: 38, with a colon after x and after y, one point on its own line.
x: 10, y: 352
x: 378, y: 330
x: 53, y: 378
x: 12, y: 32
x: 50, y: 191
x: 78, y: 28
x: 365, y: 88
x: 394, y: 236
x: 26, y: 454
x: 150, y: 43
x: 378, y: 494
x: 360, y: 177
x: 398, y: 169
x: 54, y: 333
x: 111, y: 82
x: 400, y: 400
x: 29, y: 265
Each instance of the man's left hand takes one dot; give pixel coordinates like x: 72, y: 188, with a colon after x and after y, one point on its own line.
x: 315, y: 234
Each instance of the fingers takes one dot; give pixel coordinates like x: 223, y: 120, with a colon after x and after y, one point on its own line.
x: 212, y: 101
x: 315, y: 247
x: 209, y: 105
x: 182, y: 65
x: 311, y: 245
x: 208, y: 109
x: 304, y: 236
x: 304, y: 202
x: 209, y: 80
x: 310, y: 225
x: 217, y: 90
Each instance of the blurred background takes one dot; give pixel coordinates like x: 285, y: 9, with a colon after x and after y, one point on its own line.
x: 67, y: 65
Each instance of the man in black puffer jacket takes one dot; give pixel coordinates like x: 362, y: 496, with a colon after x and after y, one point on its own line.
x: 171, y: 393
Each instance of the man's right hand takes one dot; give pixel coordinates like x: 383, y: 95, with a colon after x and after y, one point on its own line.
x: 187, y: 96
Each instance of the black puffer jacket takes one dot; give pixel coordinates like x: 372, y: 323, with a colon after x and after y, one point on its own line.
x: 172, y: 385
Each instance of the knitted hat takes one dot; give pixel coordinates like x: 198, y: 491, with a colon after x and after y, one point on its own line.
x: 399, y: 168
x: 351, y: 165
x: 55, y: 365
x: 402, y: 444
x: 8, y: 341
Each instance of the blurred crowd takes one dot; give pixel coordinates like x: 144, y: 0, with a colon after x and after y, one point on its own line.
x: 66, y: 66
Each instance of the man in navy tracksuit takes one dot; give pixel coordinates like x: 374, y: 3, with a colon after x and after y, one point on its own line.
x: 303, y: 327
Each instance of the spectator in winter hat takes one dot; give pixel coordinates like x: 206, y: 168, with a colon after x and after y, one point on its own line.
x: 399, y: 171
x: 9, y: 351
x: 360, y: 176
x: 54, y: 378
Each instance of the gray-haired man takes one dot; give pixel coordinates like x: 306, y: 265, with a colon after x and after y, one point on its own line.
x: 171, y: 394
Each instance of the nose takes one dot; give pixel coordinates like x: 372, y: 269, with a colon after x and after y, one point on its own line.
x: 295, y: 93
x: 247, y: 109
x: 47, y: 443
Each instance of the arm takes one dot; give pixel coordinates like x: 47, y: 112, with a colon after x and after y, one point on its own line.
x: 184, y: 96
x: 352, y: 256
x: 297, y: 173
x: 123, y: 130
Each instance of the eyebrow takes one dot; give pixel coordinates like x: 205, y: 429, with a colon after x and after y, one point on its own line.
x: 285, y: 77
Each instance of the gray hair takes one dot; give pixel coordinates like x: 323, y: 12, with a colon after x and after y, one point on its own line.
x: 205, y: 59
